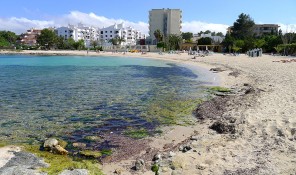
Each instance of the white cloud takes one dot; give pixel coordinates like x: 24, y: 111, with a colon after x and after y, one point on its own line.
x: 197, y: 26
x: 287, y: 27
x: 20, y: 25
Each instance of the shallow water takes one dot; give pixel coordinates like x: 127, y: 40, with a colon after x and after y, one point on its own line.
x: 73, y: 96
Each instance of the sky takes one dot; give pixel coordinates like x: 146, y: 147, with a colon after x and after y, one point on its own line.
x: 213, y: 15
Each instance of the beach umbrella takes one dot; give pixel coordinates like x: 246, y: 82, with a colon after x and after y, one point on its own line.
x: 206, y: 47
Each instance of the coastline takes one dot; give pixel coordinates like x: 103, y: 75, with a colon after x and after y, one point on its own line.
x: 264, y: 141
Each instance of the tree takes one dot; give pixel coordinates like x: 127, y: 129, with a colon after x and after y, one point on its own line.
x: 3, y: 42
x: 116, y: 40
x: 243, y: 27
x: 173, y: 42
x: 47, y: 39
x: 220, y: 34
x: 204, y: 41
x: 228, y: 42
x: 201, y: 32
x: 158, y: 35
x: 187, y: 36
x: 79, y: 44
x: 238, y: 45
x: 259, y: 43
x: 94, y: 43
x: 271, y: 41
x: 8, y: 38
x: 207, y: 32
x: 60, y: 43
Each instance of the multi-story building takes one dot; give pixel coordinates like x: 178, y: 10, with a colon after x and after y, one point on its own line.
x: 129, y: 35
x: 168, y: 21
x: 88, y: 34
x: 262, y: 29
x: 30, y: 37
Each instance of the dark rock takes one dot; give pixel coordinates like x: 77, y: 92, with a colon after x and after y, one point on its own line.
x: 223, y: 127
x: 139, y: 164
x: 234, y: 73
x: 157, y: 157
x: 194, y: 138
x: 185, y: 148
x: 217, y: 69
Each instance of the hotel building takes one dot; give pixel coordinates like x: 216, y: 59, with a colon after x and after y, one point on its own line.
x: 168, y: 21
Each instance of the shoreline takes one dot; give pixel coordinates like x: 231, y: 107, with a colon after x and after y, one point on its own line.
x: 264, y: 141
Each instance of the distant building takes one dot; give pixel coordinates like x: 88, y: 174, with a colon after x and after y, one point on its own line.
x: 262, y: 29
x: 30, y: 37
x: 215, y: 39
x: 86, y: 33
x: 128, y: 34
x: 168, y: 21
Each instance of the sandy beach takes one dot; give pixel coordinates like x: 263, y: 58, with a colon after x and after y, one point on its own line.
x: 263, y: 138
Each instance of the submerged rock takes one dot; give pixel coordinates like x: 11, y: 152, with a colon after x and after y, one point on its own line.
x: 79, y: 145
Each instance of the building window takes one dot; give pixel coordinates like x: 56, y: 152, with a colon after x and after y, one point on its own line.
x: 106, y: 35
x: 102, y: 32
x: 110, y: 31
x: 116, y: 32
x: 105, y: 31
x: 110, y: 35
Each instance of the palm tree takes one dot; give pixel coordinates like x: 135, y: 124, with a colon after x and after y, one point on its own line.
x: 173, y: 42
x: 158, y: 35
x: 117, y: 40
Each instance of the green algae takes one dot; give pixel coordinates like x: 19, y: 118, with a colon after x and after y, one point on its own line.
x: 219, y: 89
x: 58, y: 163
x: 155, y: 168
x: 137, y: 133
x: 107, y: 152
x: 91, y: 154
x: 92, y: 138
x: 62, y: 143
x: 170, y: 111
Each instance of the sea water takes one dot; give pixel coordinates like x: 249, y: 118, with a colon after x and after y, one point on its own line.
x: 74, y: 96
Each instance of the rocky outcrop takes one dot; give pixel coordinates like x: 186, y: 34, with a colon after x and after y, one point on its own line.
x: 23, y: 163
x: 54, y: 146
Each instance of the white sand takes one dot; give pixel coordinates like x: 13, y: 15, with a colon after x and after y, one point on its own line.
x: 265, y: 142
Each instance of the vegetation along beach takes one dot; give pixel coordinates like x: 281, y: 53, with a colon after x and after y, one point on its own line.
x: 80, y: 98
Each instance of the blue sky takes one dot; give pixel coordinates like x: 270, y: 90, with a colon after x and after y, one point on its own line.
x: 17, y: 15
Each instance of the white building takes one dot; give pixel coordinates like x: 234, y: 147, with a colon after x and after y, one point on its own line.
x: 88, y: 34
x: 215, y: 39
x: 128, y: 34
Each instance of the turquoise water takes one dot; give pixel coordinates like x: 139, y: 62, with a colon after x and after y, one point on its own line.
x: 72, y: 96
